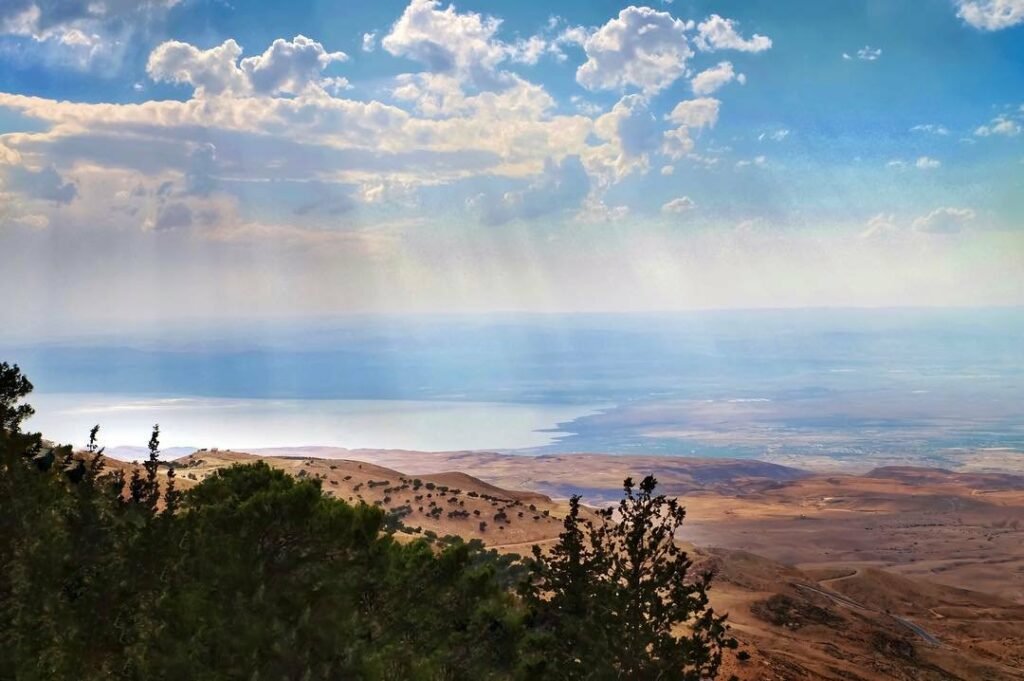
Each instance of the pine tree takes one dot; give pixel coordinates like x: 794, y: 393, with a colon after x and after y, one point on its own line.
x: 613, y: 594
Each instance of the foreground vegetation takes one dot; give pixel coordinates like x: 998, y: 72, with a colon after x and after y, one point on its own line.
x: 255, y: 575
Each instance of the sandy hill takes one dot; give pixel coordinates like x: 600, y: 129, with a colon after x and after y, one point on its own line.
x: 598, y: 477
x: 824, y: 577
x: 442, y: 503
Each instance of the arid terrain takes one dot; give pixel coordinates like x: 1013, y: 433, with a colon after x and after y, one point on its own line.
x: 903, y: 573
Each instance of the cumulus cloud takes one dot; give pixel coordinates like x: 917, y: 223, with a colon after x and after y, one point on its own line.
x: 286, y: 67
x: 696, y: 113
x: 641, y: 48
x: 678, y: 206
x: 991, y: 15
x: 561, y: 186
x: 289, y: 67
x: 713, y: 79
x: 633, y: 132
x: 462, y: 44
x: 370, y: 41
x: 688, y: 115
x: 927, y: 163
x: 717, y: 33
x: 944, y: 221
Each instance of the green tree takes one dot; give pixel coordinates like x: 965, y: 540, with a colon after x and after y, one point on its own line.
x: 618, y: 599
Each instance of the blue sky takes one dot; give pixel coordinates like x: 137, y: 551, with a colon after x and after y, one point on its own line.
x: 316, y: 157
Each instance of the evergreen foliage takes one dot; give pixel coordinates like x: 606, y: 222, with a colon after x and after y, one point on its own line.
x: 255, y: 575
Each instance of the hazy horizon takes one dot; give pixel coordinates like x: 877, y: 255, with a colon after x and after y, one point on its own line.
x: 848, y: 389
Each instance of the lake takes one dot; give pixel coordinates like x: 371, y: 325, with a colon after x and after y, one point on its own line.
x: 854, y: 387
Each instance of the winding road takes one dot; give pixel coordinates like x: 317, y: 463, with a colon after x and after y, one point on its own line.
x: 844, y: 601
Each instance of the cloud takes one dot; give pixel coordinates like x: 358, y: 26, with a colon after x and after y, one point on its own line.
x: 642, y: 49
x: 1003, y: 124
x: 668, y: 169
x: 775, y: 135
x: 289, y: 67
x: 561, y: 186
x: 710, y: 80
x: 716, y: 33
x: 866, y: 53
x: 688, y: 115
x: 944, y: 221
x: 880, y: 225
x: 696, y: 113
x: 173, y: 216
x: 370, y: 41
x: 678, y: 206
x: 286, y: 67
x: 45, y: 184
x: 991, y: 15
x: 44, y: 19
x: 927, y: 163
x: 757, y: 162
x: 632, y: 131
x: 461, y: 44
x: 79, y: 34
x: 931, y: 128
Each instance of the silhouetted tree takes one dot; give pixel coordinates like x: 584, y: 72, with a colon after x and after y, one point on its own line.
x: 617, y: 598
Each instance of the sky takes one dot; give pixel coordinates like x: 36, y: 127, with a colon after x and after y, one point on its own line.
x: 165, y: 161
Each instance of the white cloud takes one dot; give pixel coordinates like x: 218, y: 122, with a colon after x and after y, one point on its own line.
x: 688, y: 115
x: 717, y: 33
x: 668, y: 169
x: 642, y: 48
x: 710, y: 80
x: 774, y: 135
x: 1000, y: 125
x: 210, y: 72
x: 289, y: 67
x: 880, y: 225
x: 79, y: 34
x: 931, y: 128
x: 680, y: 205
x: 46, y: 19
x: 462, y: 44
x: 944, y: 220
x: 696, y: 113
x: 757, y: 161
x: 370, y: 41
x: 286, y: 67
x: 897, y: 164
x: 991, y: 15
x: 866, y: 53
x: 927, y: 163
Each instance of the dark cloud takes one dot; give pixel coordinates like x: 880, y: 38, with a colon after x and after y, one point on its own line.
x: 46, y: 184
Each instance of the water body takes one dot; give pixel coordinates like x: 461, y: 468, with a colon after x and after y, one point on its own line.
x: 238, y: 423
x: 853, y: 386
